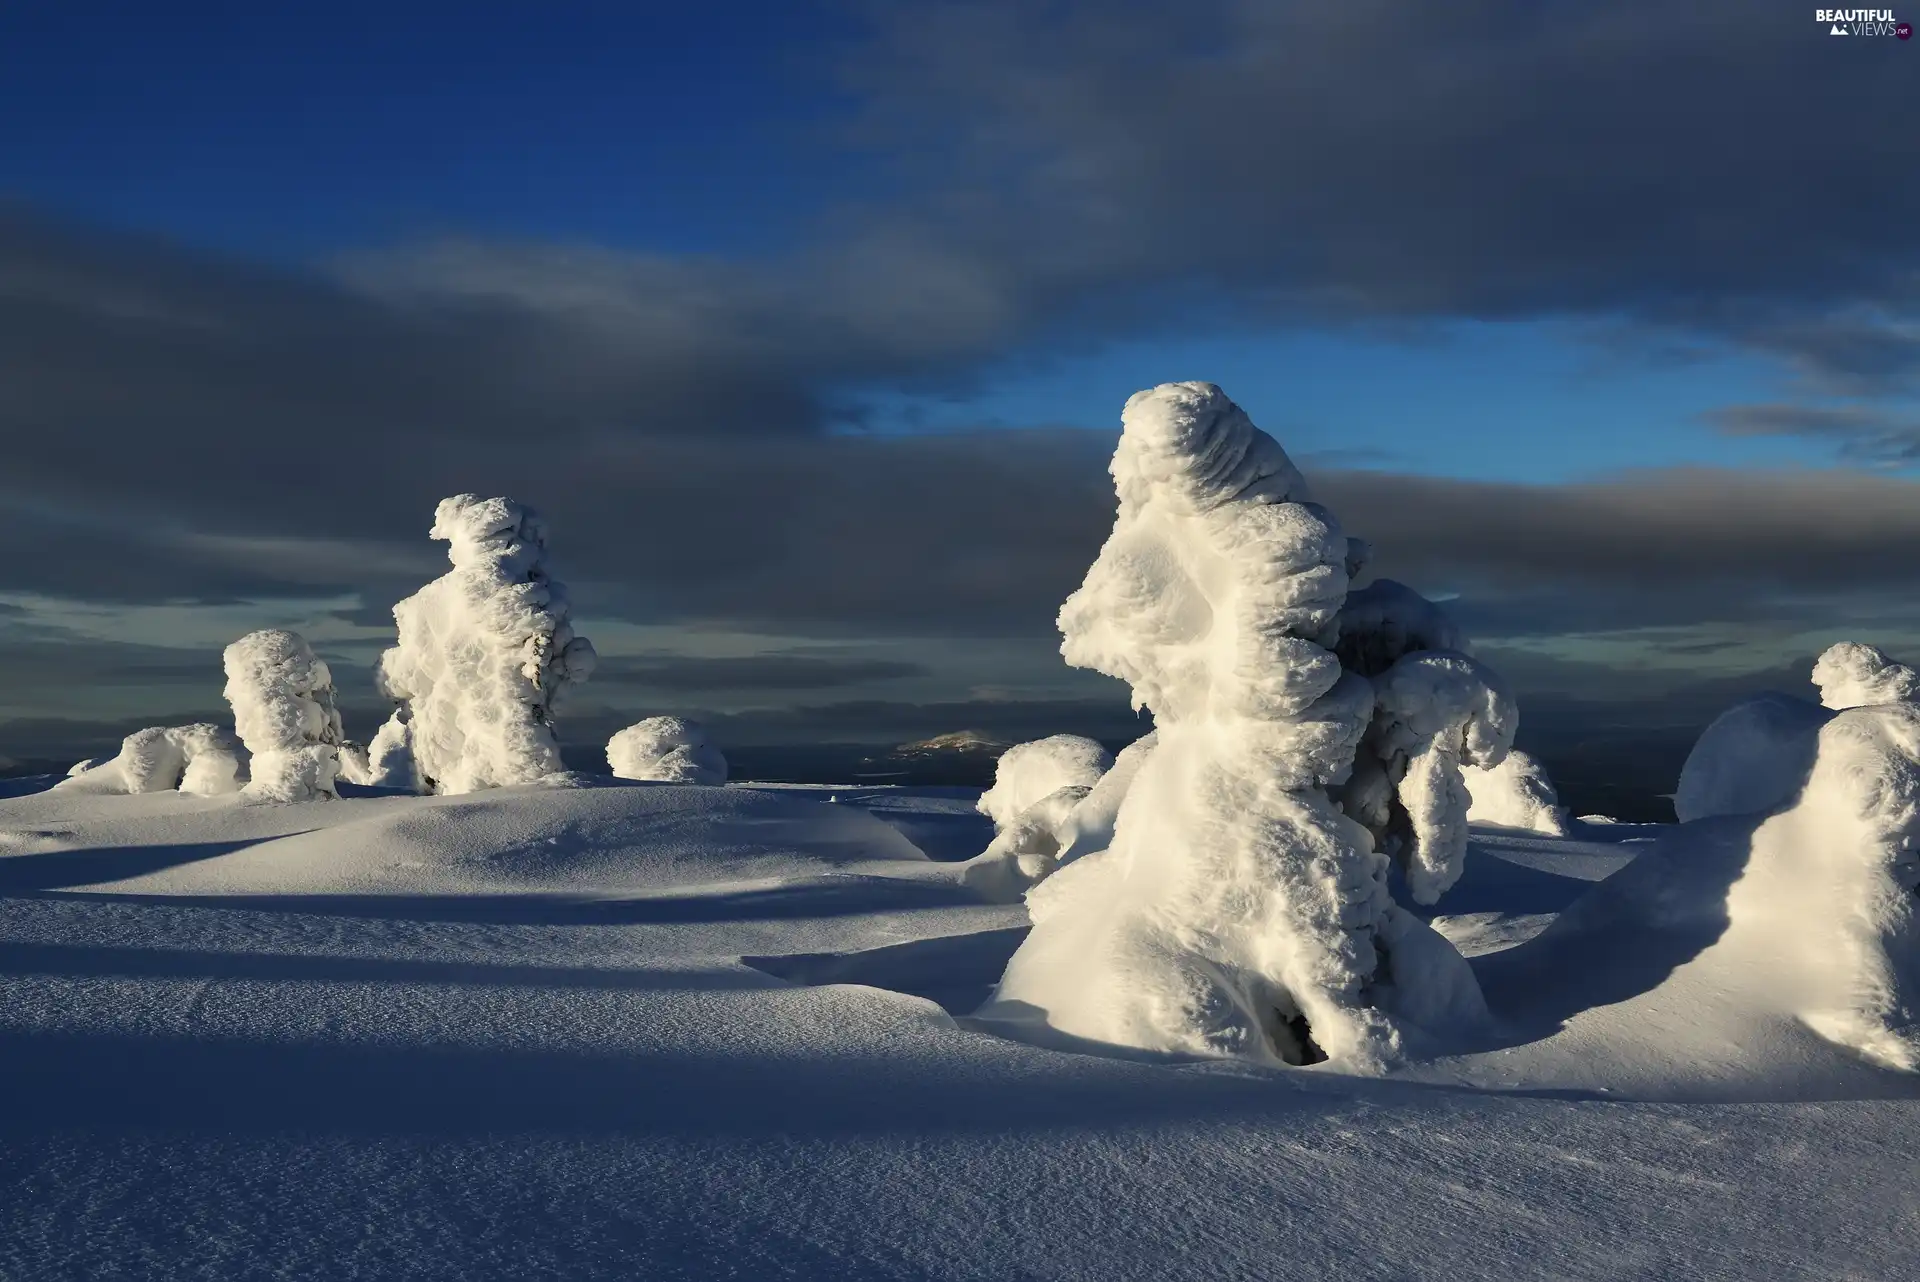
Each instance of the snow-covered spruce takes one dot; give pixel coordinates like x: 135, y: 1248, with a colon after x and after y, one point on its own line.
x: 1853, y: 674
x: 1517, y: 793
x: 201, y: 759
x: 283, y: 711
x: 666, y: 750
x: 1237, y: 910
x: 1036, y: 789
x: 485, y: 652
x: 1832, y: 885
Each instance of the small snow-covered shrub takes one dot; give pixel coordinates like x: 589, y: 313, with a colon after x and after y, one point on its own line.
x: 201, y: 759
x: 1751, y: 759
x: 666, y: 750
x: 1036, y: 788
x: 1027, y: 772
x: 1517, y: 793
x: 1854, y: 675
x: 1831, y: 889
x: 1437, y: 713
x: 1236, y: 909
x: 283, y: 709
x: 485, y: 653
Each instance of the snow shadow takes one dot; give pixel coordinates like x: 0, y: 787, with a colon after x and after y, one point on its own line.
x: 956, y: 972
x: 52, y: 869
x: 60, y: 1081
x: 827, y: 897
x: 99, y: 961
x: 1626, y: 935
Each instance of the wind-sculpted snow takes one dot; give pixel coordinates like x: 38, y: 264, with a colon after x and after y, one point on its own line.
x: 1854, y: 675
x: 1829, y: 894
x: 1237, y: 910
x: 1037, y: 787
x: 283, y: 710
x: 666, y: 750
x: 200, y: 759
x: 485, y: 653
x: 1751, y: 759
x: 1438, y: 712
x: 1517, y: 793
x: 1028, y: 772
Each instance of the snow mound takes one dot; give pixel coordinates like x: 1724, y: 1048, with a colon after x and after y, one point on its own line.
x: 1853, y: 674
x: 666, y: 750
x: 200, y: 759
x: 1237, y: 911
x: 1751, y: 759
x: 485, y: 653
x: 283, y: 710
x: 1515, y: 794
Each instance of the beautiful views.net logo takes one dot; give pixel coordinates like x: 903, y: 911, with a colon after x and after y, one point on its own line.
x: 1863, y: 22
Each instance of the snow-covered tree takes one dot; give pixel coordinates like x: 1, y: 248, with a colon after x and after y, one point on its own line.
x: 666, y: 750
x: 1853, y: 674
x: 201, y: 759
x: 485, y: 652
x: 283, y: 711
x: 1517, y: 793
x: 1037, y: 787
x: 1237, y: 910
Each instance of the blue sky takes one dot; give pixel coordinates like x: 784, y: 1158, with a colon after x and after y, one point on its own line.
x: 829, y: 293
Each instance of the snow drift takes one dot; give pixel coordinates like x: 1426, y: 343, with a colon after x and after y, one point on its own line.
x: 1237, y: 910
x: 1517, y: 793
x: 485, y: 653
x: 1750, y: 759
x: 666, y: 750
x: 283, y: 710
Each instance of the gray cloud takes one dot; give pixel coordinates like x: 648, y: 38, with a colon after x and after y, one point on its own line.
x: 1867, y: 434
x: 1706, y: 167
x: 769, y: 672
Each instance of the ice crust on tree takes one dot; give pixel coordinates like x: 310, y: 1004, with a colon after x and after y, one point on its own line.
x: 1832, y: 885
x: 1751, y: 759
x: 1237, y: 910
x: 666, y: 750
x: 1517, y: 793
x: 201, y: 759
x: 1853, y: 674
x: 485, y: 653
x: 283, y: 711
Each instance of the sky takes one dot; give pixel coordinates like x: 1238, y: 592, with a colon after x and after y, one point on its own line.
x: 808, y: 326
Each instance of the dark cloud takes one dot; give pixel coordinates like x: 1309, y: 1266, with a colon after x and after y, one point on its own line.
x: 1706, y: 166
x: 1868, y: 434
x: 769, y: 672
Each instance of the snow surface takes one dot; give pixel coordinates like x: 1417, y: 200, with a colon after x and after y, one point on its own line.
x: 666, y: 750
x: 1517, y: 793
x: 649, y: 1031
x: 1037, y: 788
x: 484, y: 654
